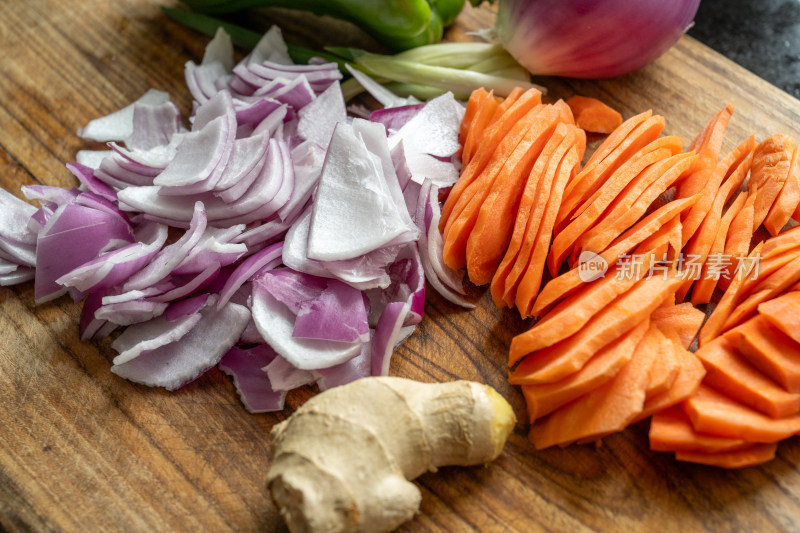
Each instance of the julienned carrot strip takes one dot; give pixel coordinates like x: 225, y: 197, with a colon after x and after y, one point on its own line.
x: 607, y: 409
x: 524, y: 279
x: 737, y: 242
x: 731, y: 374
x: 781, y: 243
x: 589, y: 213
x: 530, y: 197
x: 768, y: 287
x: 704, y: 216
x: 563, y: 358
x: 753, y: 455
x: 665, y: 367
x: 486, y: 223
x: 714, y: 412
x: 480, y: 107
x: 769, y: 349
x: 513, y: 154
x: 672, y: 431
x: 685, y: 385
x: 490, y: 138
x: 684, y: 319
x: 716, y: 261
x: 788, y: 200
x: 634, y: 201
x: 544, y: 398
x: 771, y: 161
x: 713, y: 326
x: 783, y: 312
x: 594, y: 174
x: 593, y: 115
x: 707, y: 145
x: 561, y: 286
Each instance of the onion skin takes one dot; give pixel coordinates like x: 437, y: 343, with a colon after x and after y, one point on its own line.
x: 591, y: 38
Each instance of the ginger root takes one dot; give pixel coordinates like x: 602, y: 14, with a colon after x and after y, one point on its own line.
x: 342, y: 462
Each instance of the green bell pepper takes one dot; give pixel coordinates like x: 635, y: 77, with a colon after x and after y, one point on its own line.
x: 396, y: 24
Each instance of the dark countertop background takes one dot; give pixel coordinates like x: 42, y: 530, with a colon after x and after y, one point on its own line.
x: 763, y: 36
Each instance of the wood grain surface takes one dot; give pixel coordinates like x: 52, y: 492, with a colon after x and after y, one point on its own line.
x: 83, y: 450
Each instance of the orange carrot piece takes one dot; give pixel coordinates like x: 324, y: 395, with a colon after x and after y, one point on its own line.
x: 781, y: 243
x: 731, y: 374
x: 544, y: 398
x: 486, y: 223
x: 609, y: 408
x: 753, y: 455
x: 490, y: 138
x: 672, y: 431
x: 769, y: 349
x: 771, y: 161
x: 477, y: 101
x: 685, y: 385
x: 716, y: 264
x: 714, y: 412
x: 563, y: 358
x: 665, y: 367
x: 589, y: 213
x: 737, y: 242
x: 783, y: 312
x: 558, y: 288
x: 524, y: 280
x: 593, y: 115
x: 684, y: 319
x: 788, y: 200
x: 634, y: 201
x: 597, y: 171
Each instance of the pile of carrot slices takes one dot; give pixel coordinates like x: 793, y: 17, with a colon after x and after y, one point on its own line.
x: 611, y: 256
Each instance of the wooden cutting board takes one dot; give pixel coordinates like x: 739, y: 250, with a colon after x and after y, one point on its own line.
x: 83, y: 450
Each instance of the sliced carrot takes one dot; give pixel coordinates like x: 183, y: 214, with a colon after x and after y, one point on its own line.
x: 769, y: 349
x: 609, y: 408
x: 714, y: 412
x: 487, y: 221
x: 685, y: 319
x: 634, y: 201
x: 737, y: 242
x: 597, y: 170
x: 751, y: 456
x: 685, y: 385
x: 476, y: 105
x: 558, y: 288
x: 589, y: 213
x: 490, y: 138
x: 783, y: 312
x: 563, y: 358
x: 525, y: 277
x: 665, y: 367
x: 527, y: 221
x: 788, y: 200
x: 771, y: 161
x: 717, y: 264
x: 593, y: 115
x: 543, y: 398
x: 731, y: 374
x: 672, y: 431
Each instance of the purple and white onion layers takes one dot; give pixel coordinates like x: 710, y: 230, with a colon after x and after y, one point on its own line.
x: 304, y: 239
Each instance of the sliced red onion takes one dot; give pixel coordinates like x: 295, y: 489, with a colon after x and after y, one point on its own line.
x: 118, y: 126
x: 284, y: 376
x: 356, y: 368
x: 89, y: 181
x: 252, y: 113
x: 115, y: 267
x: 251, y: 382
x: 186, y: 307
x: 17, y: 239
x: 354, y: 211
x: 387, y: 333
x: 275, y: 322
x: 154, y: 125
x: 178, y: 363
x: 144, y: 337
x: 130, y: 312
x: 394, y: 118
x: 170, y: 256
x: 219, y: 50
x: 189, y: 286
x: 204, y: 81
x: 90, y: 325
x: 319, y: 76
x: 319, y: 118
x: 46, y: 194
x: 269, y: 257
x: 271, y: 47
x: 73, y: 236
x: 91, y: 158
x: 215, y: 246
x: 19, y: 275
